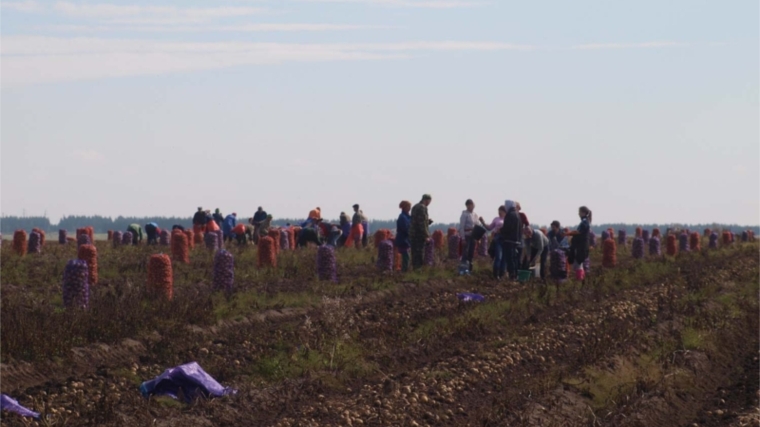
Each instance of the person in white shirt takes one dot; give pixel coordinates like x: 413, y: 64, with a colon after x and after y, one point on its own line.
x: 467, y: 223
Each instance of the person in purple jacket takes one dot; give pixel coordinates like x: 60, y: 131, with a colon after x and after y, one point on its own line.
x: 402, y: 242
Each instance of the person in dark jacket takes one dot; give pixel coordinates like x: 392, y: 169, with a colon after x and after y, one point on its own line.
x: 308, y: 235
x: 256, y: 221
x: 579, y: 245
x: 218, y: 217
x: 199, y: 221
x: 419, y: 230
x: 345, y: 228
x: 403, y: 223
x: 151, y: 229
x: 556, y: 236
x: 511, y: 240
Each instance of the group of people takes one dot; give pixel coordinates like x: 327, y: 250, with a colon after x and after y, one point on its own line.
x: 515, y: 244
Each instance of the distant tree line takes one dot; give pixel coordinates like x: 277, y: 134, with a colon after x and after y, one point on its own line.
x: 101, y: 224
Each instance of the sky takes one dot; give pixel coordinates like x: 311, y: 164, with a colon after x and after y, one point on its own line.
x: 643, y: 111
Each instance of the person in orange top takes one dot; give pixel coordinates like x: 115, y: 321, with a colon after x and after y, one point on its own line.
x: 316, y: 214
x: 240, y: 234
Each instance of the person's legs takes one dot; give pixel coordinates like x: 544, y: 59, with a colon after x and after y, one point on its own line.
x: 469, y: 252
x: 544, y: 255
x: 510, y: 255
x: 498, y: 261
x: 404, y: 260
x: 417, y: 258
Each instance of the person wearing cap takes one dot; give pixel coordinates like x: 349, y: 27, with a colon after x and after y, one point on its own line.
x: 467, y: 222
x: 152, y: 230
x: 256, y: 221
x: 229, y: 223
x: 218, y: 217
x: 511, y: 239
x: 199, y: 221
x: 365, y: 229
x: 419, y: 230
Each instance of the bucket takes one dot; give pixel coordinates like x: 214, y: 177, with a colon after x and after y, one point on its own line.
x: 523, y: 275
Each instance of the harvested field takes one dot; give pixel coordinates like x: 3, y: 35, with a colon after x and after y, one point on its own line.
x: 654, y: 342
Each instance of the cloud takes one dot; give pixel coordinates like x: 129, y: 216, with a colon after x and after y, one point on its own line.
x: 133, y: 14
x: 629, y: 45
x: 27, y: 6
x: 89, y: 156
x: 426, y: 4
x: 32, y: 59
x: 243, y: 28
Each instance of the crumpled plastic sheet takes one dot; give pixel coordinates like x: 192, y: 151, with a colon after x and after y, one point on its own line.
x: 189, y: 381
x: 10, y: 404
x: 466, y: 296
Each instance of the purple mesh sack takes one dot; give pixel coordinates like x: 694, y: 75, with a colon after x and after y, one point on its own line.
x: 385, y: 256
x: 638, y: 248
x: 326, y: 266
x: 654, y: 246
x: 126, y: 238
x: 165, y: 238
x: 605, y: 235
x: 622, y: 237
x: 683, y: 242
x: 429, y: 259
x: 454, y: 246
x: 34, y: 246
x: 188, y: 381
x: 76, y: 284
x: 117, y: 236
x: 466, y: 297
x: 645, y: 236
x: 713, y: 240
x: 210, y: 239
x: 10, y: 404
x: 224, y: 271
x: 62, y: 237
x: 558, y: 267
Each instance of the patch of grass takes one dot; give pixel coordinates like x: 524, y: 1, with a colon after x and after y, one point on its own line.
x: 692, y: 339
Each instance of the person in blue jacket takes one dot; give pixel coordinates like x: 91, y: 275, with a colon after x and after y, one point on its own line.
x: 229, y: 223
x: 402, y: 242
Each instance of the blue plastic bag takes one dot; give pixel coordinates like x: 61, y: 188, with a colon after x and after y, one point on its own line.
x: 189, y: 379
x: 465, y: 297
x: 10, y: 404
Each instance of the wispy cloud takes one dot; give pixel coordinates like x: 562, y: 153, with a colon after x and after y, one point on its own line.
x: 242, y: 28
x: 27, y: 6
x: 31, y: 59
x: 134, y: 14
x: 427, y: 4
x: 644, y: 45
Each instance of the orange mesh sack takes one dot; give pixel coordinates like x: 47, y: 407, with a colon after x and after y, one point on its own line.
x: 726, y: 238
x: 609, y: 253
x: 90, y: 232
x: 671, y: 247
x: 656, y: 232
x: 380, y: 236
x: 695, y: 241
x: 190, y: 238
x: 438, y: 239
x: 267, y: 252
x: 707, y: 232
x: 160, y: 276
x: 638, y: 232
x: 198, y: 238
x: 89, y: 254
x: 110, y: 235
x: 292, y: 238
x: 180, y: 252
x: 19, y: 242
x: 275, y: 235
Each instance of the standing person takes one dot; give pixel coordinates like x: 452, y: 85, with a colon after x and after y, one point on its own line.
x: 229, y: 223
x: 365, y: 229
x: 151, y: 229
x: 199, y: 221
x: 264, y: 226
x: 218, y: 217
x: 403, y: 223
x: 522, y: 256
x: 467, y: 222
x: 579, y: 245
x: 556, y: 236
x: 345, y: 228
x: 538, y: 245
x: 511, y: 240
x: 357, y: 229
x: 136, y: 231
x: 419, y: 230
x: 495, y: 249
x: 256, y: 221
